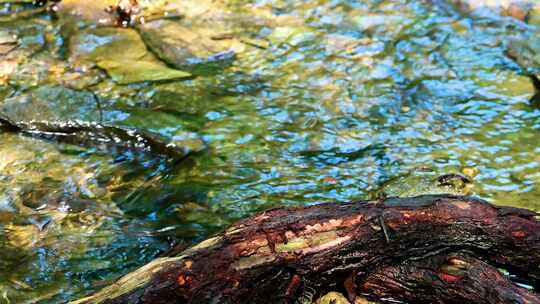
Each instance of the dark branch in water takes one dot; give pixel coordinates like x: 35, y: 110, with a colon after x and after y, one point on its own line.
x: 535, y: 99
x: 8, y: 125
x: 98, y: 135
x: 535, y: 82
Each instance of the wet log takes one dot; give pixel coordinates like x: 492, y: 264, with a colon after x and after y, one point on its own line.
x: 426, y: 249
x: 447, y: 278
x: 100, y: 136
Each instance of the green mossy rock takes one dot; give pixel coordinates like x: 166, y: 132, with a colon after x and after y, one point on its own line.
x: 51, y: 103
x: 188, y: 47
x: 526, y: 53
x: 122, y: 54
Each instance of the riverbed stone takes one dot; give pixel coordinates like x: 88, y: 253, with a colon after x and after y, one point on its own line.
x: 51, y: 103
x: 122, y: 54
x: 187, y: 47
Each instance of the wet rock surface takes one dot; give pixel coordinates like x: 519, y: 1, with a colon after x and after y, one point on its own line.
x: 51, y: 103
x: 122, y: 54
x: 188, y: 48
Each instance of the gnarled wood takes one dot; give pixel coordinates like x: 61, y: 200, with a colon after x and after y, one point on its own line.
x: 282, y: 255
x: 445, y: 278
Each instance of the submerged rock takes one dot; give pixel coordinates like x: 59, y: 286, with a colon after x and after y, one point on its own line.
x: 425, y: 181
x: 122, y: 54
x: 526, y: 54
x: 8, y: 42
x: 190, y: 47
x: 208, y: 38
x: 51, y: 103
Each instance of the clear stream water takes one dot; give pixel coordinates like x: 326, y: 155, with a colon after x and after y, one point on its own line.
x: 336, y: 100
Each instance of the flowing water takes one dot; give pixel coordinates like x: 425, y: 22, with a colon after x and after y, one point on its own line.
x: 325, y: 101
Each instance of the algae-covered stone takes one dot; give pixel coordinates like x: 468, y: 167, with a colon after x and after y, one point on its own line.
x: 121, y: 53
x: 526, y: 53
x: 424, y: 181
x: 190, y: 47
x: 51, y: 103
x: 291, y: 34
x: 125, y: 72
x: 8, y: 41
x: 107, y: 43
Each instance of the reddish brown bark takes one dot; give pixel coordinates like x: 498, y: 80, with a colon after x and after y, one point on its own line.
x: 446, y: 278
x: 282, y: 255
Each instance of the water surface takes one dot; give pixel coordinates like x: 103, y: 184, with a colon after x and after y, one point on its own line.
x: 326, y: 101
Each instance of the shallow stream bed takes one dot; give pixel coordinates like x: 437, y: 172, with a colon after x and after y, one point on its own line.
x: 274, y: 102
